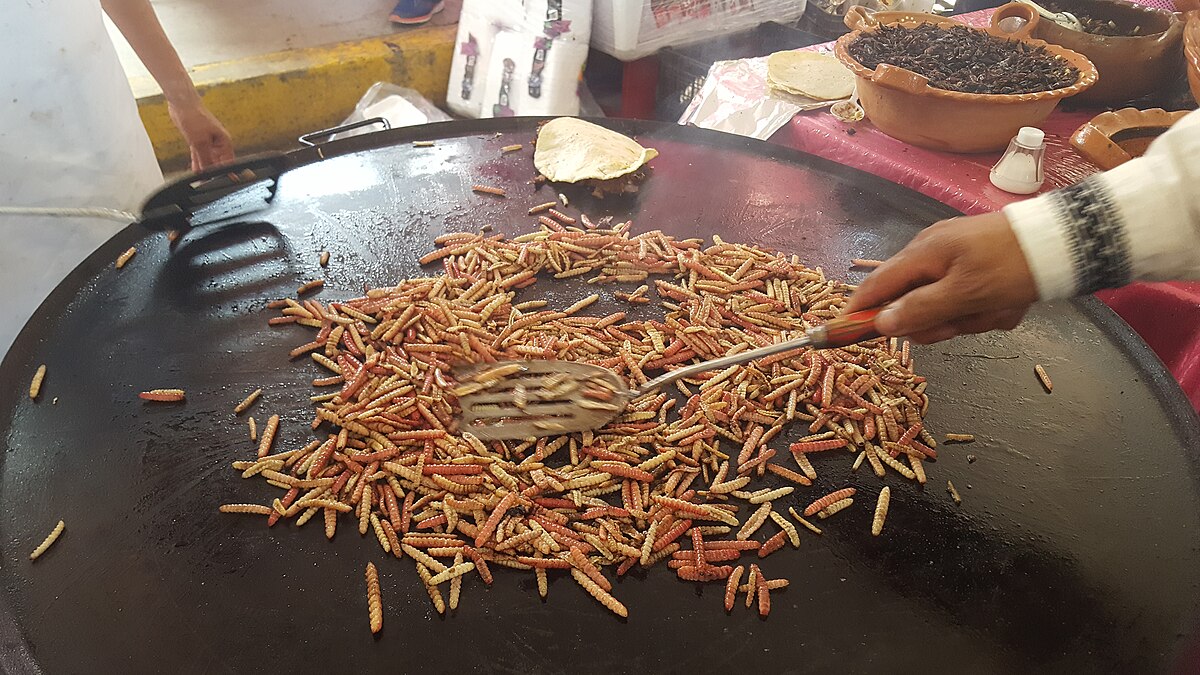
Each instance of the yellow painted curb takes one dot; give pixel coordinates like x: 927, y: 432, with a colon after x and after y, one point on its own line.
x: 267, y: 101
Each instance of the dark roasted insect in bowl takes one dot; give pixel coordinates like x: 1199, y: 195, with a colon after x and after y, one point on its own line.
x: 963, y: 59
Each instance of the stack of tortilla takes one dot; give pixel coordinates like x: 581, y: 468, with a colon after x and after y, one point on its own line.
x: 810, y: 75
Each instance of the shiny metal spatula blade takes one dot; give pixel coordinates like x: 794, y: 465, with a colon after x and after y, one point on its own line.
x: 529, y: 399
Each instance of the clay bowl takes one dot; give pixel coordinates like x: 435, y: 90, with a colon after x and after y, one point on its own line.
x: 1191, y: 51
x: 1129, y: 67
x: 1110, y: 139
x: 903, y: 105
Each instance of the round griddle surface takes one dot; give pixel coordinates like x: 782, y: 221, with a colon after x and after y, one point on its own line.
x: 1075, y: 549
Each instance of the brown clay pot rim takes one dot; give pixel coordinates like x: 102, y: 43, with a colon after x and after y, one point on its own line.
x: 1191, y: 37
x: 1094, y: 139
x: 1172, y: 18
x: 1115, y: 121
x: 1088, y: 74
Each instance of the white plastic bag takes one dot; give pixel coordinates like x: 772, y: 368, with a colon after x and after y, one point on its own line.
x: 519, y: 57
x: 631, y: 29
x: 400, y: 106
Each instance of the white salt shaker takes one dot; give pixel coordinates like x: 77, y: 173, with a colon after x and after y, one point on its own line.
x: 1020, y: 169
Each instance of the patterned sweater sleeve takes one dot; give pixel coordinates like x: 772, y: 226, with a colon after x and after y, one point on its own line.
x: 1139, y: 221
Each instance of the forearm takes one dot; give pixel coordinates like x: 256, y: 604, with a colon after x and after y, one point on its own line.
x: 138, y: 23
x: 1138, y: 221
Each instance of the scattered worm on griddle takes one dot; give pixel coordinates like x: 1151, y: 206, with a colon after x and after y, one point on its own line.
x: 1043, y: 378
x: 422, y: 144
x: 324, y: 259
x: 960, y: 438
x: 894, y: 463
x: 380, y: 534
x: 247, y: 402
x: 163, y: 395
x: 751, y: 585
x: 788, y: 474
x: 126, y: 256
x: 805, y: 465
x: 755, y: 521
x: 374, y: 599
x: 489, y: 190
x: 788, y: 528
x: 48, y: 541
x: 268, y: 436
x: 511, y: 148
x: 881, y: 510
x: 456, y: 582
x: 773, y: 544
x: 600, y: 594
x: 953, y: 493
x: 731, y: 587
x: 330, y: 522
x: 918, y: 468
x: 540, y: 208
x: 35, y: 386
x: 453, y: 572
x: 859, y: 460
x: 828, y: 499
x: 435, y: 595
x: 253, y: 428
x: 251, y: 509
x: 310, y: 286
x: 835, y: 507
x: 561, y: 217
x: 865, y: 262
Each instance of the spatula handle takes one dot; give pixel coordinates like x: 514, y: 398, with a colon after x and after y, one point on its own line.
x: 838, y: 332
x: 846, y: 330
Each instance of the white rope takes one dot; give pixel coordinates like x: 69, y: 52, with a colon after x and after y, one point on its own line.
x: 87, y: 212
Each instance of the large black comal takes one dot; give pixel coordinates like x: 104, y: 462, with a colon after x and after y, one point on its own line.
x: 1076, y: 548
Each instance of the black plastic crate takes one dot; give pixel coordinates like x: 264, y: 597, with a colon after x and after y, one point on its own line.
x: 682, y: 70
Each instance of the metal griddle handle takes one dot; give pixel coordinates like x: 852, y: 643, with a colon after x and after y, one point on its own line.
x: 309, y: 139
x: 173, y: 204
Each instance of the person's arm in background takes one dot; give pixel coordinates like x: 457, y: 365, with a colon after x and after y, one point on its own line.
x: 210, y: 143
x: 1139, y: 221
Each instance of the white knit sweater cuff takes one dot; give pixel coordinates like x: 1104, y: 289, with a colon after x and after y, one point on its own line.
x: 1043, y: 240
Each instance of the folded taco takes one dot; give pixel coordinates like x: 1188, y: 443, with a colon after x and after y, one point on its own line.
x: 570, y: 150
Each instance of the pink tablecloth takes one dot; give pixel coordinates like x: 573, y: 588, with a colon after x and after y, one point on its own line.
x: 1167, y: 316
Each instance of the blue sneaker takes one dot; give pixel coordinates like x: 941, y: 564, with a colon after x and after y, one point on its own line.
x: 414, y: 12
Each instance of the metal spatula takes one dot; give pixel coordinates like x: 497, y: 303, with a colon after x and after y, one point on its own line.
x: 529, y: 399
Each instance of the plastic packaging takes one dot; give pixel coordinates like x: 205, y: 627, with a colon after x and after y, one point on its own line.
x: 519, y: 58
x: 1019, y: 170
x: 400, y: 106
x: 631, y: 29
x: 735, y: 99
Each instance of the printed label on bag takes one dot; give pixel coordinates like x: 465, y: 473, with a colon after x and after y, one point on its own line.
x: 555, y: 26
x: 501, y: 107
x: 470, y: 49
x: 541, y: 46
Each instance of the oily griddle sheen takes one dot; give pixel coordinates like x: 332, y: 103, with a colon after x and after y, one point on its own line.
x: 1073, y: 550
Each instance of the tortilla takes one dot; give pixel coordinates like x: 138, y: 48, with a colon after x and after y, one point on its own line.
x: 809, y: 74
x: 569, y: 150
